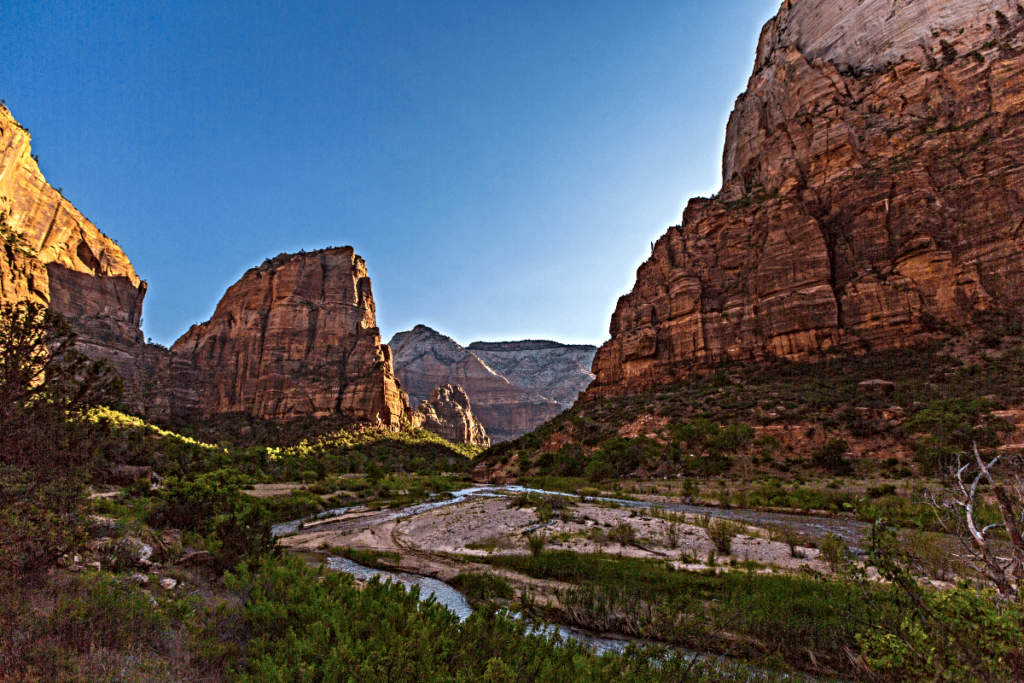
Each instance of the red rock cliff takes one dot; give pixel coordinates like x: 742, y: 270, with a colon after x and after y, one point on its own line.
x: 53, y: 255
x: 873, y: 194
x: 296, y: 337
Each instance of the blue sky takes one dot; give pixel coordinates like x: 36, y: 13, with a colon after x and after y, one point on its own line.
x: 502, y: 166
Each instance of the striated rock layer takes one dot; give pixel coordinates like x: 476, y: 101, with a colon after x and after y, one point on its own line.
x: 557, y: 371
x: 53, y: 255
x: 873, y: 195
x: 448, y: 414
x: 295, y: 337
x: 514, y: 386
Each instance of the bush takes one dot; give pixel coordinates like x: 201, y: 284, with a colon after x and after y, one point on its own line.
x: 622, y: 533
x: 721, y: 532
x: 835, y: 552
x: 963, y: 635
x: 831, y: 457
x: 536, y: 542
x: 482, y: 588
x: 237, y: 526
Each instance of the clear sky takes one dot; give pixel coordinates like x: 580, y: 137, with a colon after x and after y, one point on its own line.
x: 502, y: 166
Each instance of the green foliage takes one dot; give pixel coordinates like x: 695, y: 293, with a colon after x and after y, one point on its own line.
x: 831, y: 457
x: 536, y: 543
x: 964, y: 634
x: 237, y: 526
x: 834, y: 551
x: 80, y: 615
x: 481, y: 588
x: 721, y: 532
x: 622, y: 533
x: 370, y: 558
x: 951, y: 427
x: 307, y: 625
x: 46, y: 447
x: 800, y: 621
x: 932, y: 648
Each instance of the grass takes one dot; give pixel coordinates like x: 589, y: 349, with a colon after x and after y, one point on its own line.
x: 800, y: 622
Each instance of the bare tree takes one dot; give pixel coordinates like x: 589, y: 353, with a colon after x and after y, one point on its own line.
x: 1000, y: 561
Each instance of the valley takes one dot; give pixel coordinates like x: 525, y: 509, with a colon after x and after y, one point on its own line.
x: 798, y: 454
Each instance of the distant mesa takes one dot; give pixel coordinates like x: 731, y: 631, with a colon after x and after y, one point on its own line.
x: 514, y: 386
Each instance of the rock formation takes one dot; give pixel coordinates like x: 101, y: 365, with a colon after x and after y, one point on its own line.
x: 448, y: 414
x: 543, y: 379
x: 873, y: 196
x: 296, y: 337
x: 556, y: 371
x: 52, y: 254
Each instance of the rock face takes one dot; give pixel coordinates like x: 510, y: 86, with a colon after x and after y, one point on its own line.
x: 557, y: 371
x: 873, y: 196
x: 52, y: 254
x: 544, y: 377
x: 295, y: 337
x: 448, y: 414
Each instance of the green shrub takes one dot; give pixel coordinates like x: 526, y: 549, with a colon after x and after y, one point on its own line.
x: 721, y: 532
x: 536, y: 543
x: 622, y: 533
x: 964, y: 635
x: 482, y: 587
x: 831, y: 457
x: 834, y: 551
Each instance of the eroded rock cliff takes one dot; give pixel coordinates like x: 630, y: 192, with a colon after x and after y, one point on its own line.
x: 295, y: 337
x: 873, y: 196
x: 425, y: 359
x: 448, y: 414
x: 52, y: 254
x: 547, y: 368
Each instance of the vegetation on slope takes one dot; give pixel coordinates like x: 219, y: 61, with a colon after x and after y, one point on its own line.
x: 769, y: 425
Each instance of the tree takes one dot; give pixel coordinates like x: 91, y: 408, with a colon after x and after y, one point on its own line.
x: 999, y: 561
x: 46, y: 443
x: 975, y: 631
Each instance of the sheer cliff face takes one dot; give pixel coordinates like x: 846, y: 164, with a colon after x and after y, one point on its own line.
x: 55, y: 256
x: 873, y: 194
x: 296, y: 337
x: 425, y: 359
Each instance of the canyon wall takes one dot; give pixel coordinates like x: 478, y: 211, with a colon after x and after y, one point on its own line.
x: 514, y: 386
x: 51, y: 254
x: 873, y: 196
x: 296, y: 337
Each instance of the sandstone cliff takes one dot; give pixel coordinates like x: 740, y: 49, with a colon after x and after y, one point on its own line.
x: 295, y: 337
x: 51, y: 254
x: 873, y: 196
x: 448, y: 414
x: 547, y: 368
